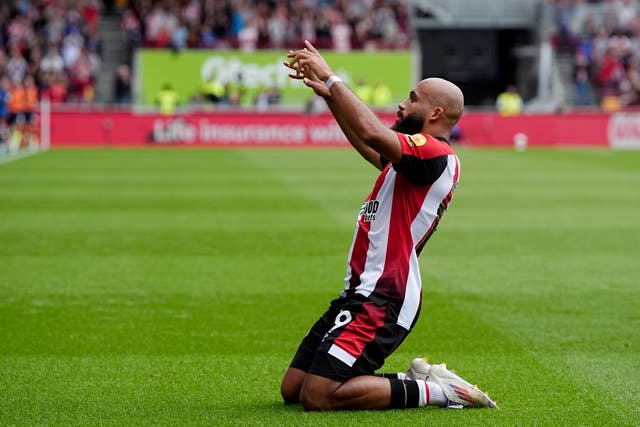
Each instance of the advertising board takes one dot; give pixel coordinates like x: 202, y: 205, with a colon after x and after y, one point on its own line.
x: 186, y: 71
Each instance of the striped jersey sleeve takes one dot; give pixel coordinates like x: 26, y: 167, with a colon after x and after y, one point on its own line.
x: 424, y: 158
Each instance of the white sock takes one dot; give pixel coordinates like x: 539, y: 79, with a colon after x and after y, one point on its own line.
x: 402, y: 376
x: 435, y: 395
x: 423, y: 396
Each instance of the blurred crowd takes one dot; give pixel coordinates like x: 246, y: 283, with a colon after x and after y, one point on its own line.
x: 267, y: 24
x: 604, y: 38
x: 53, y: 43
x: 47, y: 48
x: 53, y: 46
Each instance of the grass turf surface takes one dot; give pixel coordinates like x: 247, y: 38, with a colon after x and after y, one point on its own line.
x: 173, y: 286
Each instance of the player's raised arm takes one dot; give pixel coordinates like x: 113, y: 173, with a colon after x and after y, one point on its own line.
x: 350, y: 112
x: 354, y: 139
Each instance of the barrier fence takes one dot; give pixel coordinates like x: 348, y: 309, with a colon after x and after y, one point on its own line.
x: 124, y: 128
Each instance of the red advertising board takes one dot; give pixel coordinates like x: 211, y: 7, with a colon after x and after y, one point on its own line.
x: 120, y: 128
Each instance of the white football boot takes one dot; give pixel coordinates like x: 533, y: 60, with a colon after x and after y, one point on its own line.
x: 458, y: 391
x: 419, y: 369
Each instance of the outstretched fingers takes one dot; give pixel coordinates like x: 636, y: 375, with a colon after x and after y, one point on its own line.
x: 310, y: 47
x: 299, y: 74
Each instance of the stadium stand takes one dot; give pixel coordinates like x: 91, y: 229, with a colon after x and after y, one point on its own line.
x: 248, y: 25
x: 601, y: 39
x: 81, y: 51
x: 55, y: 42
x: 75, y: 49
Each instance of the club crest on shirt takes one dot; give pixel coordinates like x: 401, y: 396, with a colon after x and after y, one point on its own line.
x: 368, y: 210
x: 417, y: 140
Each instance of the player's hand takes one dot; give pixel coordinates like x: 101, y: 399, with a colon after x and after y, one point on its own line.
x: 311, y: 67
x: 310, y: 79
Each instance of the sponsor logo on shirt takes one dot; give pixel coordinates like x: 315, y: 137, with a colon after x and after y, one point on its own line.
x: 368, y: 210
x: 417, y: 140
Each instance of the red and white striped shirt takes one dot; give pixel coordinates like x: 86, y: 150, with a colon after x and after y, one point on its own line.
x: 397, y: 219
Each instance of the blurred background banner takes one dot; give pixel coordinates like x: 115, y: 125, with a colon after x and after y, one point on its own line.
x: 189, y: 71
x: 245, y: 128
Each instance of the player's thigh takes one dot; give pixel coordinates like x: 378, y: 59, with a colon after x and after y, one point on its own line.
x: 312, y: 340
x: 364, y: 333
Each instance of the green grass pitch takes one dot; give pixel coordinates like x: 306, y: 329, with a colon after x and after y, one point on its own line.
x: 167, y: 286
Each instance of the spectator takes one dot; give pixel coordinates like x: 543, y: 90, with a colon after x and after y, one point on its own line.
x: 609, y: 77
x: 248, y: 37
x: 30, y: 107
x: 630, y: 86
x: 582, y: 79
x: 72, y: 45
x: 5, y: 87
x: 83, y: 74
x: 363, y: 90
x: 17, y: 101
x: 131, y: 31
x: 52, y: 61
x: 509, y: 102
x: 160, y: 24
x: 213, y: 91
x: 381, y: 95
x: 122, y: 85
x: 180, y: 36
x: 90, y: 14
x: 17, y: 65
x: 167, y: 100
x: 55, y: 87
x: 277, y: 25
x: 340, y: 33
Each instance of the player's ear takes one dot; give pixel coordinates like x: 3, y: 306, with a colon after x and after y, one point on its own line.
x: 436, y: 113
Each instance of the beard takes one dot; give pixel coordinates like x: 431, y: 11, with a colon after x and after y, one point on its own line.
x: 410, y: 124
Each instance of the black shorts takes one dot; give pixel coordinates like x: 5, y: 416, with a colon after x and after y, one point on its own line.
x: 351, y: 339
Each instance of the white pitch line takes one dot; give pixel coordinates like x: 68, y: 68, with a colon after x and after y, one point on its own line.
x: 8, y: 158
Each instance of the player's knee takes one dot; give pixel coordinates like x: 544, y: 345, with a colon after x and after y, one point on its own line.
x: 289, y: 394
x: 290, y: 386
x: 314, y: 401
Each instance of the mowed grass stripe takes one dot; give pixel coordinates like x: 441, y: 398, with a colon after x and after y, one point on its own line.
x: 175, y: 307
